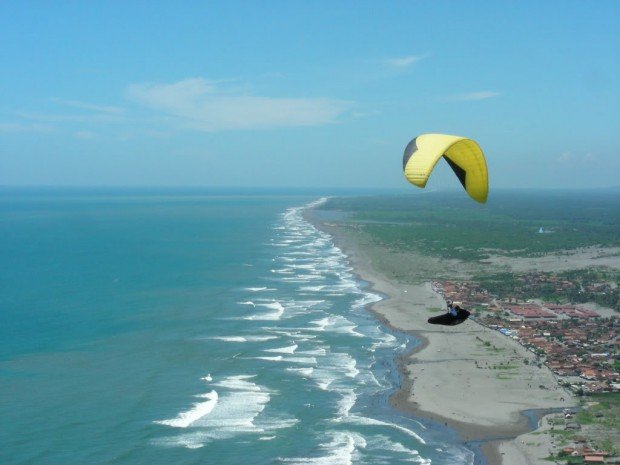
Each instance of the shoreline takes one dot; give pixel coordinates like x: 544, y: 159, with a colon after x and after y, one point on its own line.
x: 492, y: 435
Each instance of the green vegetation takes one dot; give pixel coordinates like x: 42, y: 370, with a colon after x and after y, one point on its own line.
x: 600, y: 424
x: 451, y: 225
x: 505, y: 367
x: 581, y: 288
x: 602, y: 420
x: 507, y: 375
x: 585, y: 418
x: 563, y: 433
x: 568, y: 459
x: 488, y: 347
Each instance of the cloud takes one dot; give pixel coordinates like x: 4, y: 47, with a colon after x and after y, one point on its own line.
x: 21, y: 127
x: 577, y: 159
x: 85, y: 135
x: 93, y: 114
x: 199, y: 104
x: 89, y: 106
x: 564, y: 157
x: 89, y: 118
x: 590, y: 158
x: 365, y: 114
x: 472, y: 96
x: 404, y: 62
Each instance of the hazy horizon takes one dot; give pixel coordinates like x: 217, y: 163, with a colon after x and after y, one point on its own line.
x: 298, y: 190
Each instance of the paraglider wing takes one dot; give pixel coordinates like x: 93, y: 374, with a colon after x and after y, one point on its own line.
x: 463, y: 155
x: 449, y: 320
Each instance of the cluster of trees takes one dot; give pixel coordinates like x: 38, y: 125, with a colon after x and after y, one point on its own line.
x: 608, y: 299
x: 506, y: 285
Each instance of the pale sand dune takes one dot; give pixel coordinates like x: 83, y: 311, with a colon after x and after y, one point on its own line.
x: 561, y: 261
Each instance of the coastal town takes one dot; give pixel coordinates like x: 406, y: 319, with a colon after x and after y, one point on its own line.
x: 579, y: 345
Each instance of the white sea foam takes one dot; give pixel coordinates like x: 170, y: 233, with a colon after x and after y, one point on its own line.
x: 244, y: 338
x: 235, y: 413
x: 385, y: 340
x: 275, y: 315
x: 320, y: 324
x: 274, y: 304
x: 306, y: 372
x: 324, y: 382
x: 318, y: 351
x: 283, y: 350
x: 308, y: 304
x: 384, y: 443
x: 293, y: 333
x: 351, y: 371
x: 312, y: 288
x: 260, y: 338
x: 309, y: 258
x: 275, y: 422
x: 305, y: 266
x: 341, y: 450
x: 303, y: 360
x: 367, y: 299
x: 239, y: 382
x: 334, y: 369
x: 368, y: 377
x: 359, y: 420
x: 346, y: 403
x: 336, y: 324
x: 238, y: 407
x: 304, y: 307
x: 189, y: 417
x: 341, y: 362
x: 305, y: 337
x: 230, y: 338
x: 189, y: 441
x: 283, y: 271
x: 303, y: 278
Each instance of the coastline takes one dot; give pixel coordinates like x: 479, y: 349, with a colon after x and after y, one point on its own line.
x: 451, y: 377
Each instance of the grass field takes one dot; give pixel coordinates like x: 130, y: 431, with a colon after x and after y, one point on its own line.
x: 451, y: 225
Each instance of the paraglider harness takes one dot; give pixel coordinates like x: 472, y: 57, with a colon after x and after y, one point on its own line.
x: 456, y: 315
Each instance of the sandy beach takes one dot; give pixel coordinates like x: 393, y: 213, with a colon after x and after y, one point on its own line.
x: 469, y: 377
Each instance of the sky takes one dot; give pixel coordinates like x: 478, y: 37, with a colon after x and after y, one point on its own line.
x: 306, y: 93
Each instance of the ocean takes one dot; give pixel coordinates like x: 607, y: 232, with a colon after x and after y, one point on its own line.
x: 193, y: 328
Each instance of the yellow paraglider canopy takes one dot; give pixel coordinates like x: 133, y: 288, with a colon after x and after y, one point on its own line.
x: 462, y: 154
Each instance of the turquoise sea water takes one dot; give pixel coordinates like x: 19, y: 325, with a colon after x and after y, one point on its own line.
x: 192, y: 329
